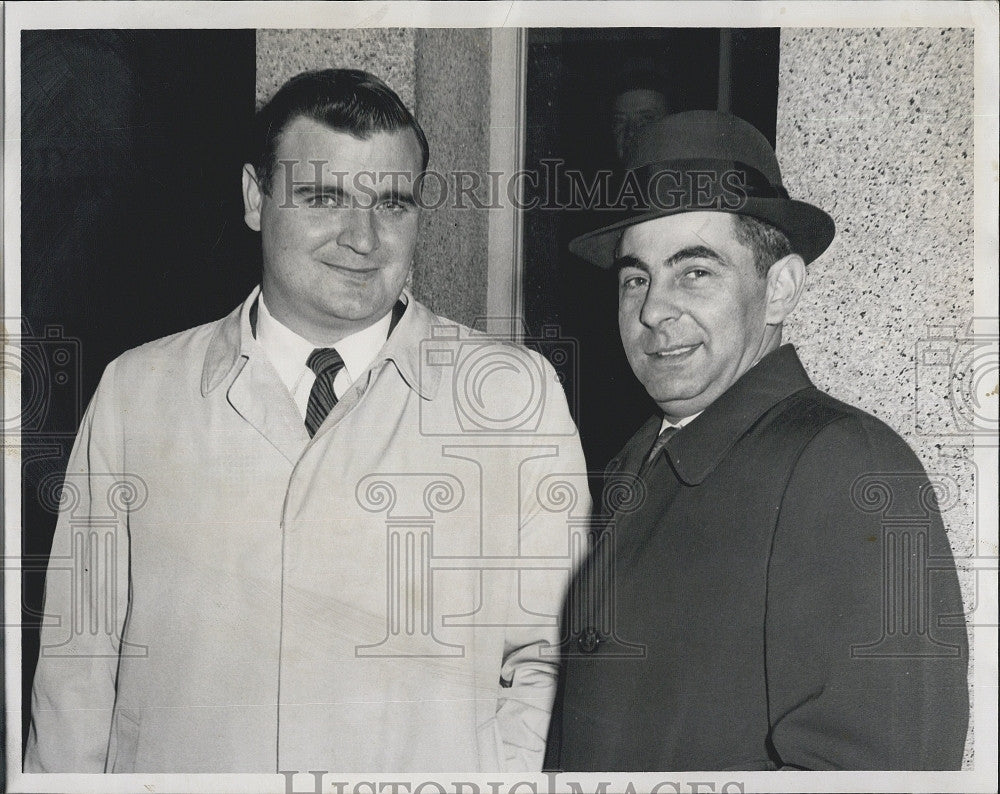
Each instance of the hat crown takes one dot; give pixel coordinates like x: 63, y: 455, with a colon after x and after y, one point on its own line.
x: 707, y: 161
x: 703, y: 135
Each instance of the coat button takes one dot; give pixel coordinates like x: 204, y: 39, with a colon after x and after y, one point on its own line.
x: 589, y: 639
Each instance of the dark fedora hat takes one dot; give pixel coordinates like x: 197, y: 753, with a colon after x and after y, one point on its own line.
x: 706, y: 160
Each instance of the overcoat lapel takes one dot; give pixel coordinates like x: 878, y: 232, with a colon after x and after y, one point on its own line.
x: 622, y: 476
x: 691, y: 455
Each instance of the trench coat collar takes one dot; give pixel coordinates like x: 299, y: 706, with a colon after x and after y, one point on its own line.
x: 697, y: 449
x: 405, y: 347
x: 233, y: 342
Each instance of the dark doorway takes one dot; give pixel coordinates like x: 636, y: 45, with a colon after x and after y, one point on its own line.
x: 572, y: 78
x: 132, y: 144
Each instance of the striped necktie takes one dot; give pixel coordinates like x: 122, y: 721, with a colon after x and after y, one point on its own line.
x: 661, y: 441
x: 326, y: 363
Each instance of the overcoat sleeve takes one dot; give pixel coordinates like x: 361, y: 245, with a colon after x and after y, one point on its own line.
x: 86, y: 598
x: 531, y: 653
x: 866, y: 647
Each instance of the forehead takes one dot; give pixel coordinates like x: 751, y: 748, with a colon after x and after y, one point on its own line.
x: 658, y: 239
x: 304, y: 140
x: 638, y: 100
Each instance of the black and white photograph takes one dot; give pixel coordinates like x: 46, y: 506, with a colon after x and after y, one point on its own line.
x: 501, y: 397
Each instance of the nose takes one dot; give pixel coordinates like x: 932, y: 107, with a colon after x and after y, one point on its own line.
x: 359, y: 232
x: 629, y: 133
x: 660, y: 303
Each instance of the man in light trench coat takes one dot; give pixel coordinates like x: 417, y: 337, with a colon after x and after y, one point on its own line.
x: 270, y: 549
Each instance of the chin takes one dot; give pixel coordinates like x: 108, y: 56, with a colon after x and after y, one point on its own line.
x: 349, y: 310
x: 680, y: 404
x: 674, y: 392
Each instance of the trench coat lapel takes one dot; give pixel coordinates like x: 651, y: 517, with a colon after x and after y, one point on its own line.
x: 236, y: 362
x: 258, y: 395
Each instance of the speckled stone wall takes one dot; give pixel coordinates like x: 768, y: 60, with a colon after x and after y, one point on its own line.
x: 453, y: 100
x: 875, y: 126
x: 385, y: 52
x: 443, y: 76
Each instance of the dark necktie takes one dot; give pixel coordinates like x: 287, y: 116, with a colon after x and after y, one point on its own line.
x: 661, y: 441
x: 326, y: 363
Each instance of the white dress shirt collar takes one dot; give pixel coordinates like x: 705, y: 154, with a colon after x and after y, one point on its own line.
x: 679, y: 423
x: 288, y: 351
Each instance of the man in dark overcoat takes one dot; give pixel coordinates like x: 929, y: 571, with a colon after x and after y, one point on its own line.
x: 776, y: 590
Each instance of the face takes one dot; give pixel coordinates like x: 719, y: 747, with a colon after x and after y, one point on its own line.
x: 631, y: 111
x: 694, y: 314
x: 337, y: 238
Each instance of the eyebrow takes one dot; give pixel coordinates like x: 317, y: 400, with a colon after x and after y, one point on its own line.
x: 696, y: 252
x: 316, y: 188
x: 402, y: 198
x: 307, y: 189
x: 628, y: 260
x: 690, y: 252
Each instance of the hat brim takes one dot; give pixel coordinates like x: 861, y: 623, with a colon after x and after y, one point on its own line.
x: 809, y: 229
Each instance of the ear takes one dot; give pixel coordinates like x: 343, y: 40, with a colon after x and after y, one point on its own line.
x: 252, y: 197
x: 785, y: 282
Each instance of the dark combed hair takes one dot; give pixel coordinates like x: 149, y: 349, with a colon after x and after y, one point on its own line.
x: 348, y: 100
x: 767, y: 242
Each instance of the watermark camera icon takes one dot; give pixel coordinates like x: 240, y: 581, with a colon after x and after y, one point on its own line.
x: 48, y: 366
x: 957, y: 375
x: 497, y: 388
x: 564, y: 355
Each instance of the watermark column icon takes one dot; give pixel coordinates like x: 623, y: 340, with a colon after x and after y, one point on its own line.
x: 591, y: 607
x: 907, y: 503
x: 96, y: 507
x: 410, y: 503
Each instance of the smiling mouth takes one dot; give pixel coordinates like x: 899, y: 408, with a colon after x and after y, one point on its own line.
x: 674, y: 353
x: 354, y: 271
